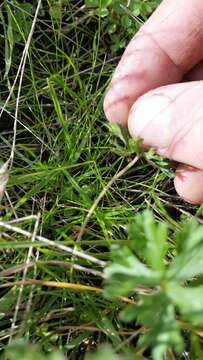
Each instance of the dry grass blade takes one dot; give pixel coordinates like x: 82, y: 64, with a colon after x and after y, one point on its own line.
x: 61, y: 285
x: 24, y: 57
x: 4, y: 176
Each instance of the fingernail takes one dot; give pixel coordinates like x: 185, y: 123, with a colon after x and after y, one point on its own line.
x: 150, y: 120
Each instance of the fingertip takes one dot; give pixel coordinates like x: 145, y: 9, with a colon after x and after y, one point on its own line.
x: 115, y: 111
x: 189, y: 184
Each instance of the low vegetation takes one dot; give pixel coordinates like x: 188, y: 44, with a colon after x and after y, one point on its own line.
x: 99, y: 258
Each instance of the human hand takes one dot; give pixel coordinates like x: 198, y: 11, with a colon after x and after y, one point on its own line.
x: 157, y: 90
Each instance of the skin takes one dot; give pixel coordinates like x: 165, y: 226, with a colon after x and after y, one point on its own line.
x: 157, y: 90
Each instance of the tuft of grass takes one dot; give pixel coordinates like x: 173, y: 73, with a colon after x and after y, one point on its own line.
x: 65, y: 157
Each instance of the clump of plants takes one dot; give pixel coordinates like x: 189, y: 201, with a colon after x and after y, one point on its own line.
x: 167, y: 290
x: 147, y: 301
x: 123, y: 17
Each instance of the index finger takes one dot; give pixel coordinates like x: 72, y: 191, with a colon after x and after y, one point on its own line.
x: 162, y: 51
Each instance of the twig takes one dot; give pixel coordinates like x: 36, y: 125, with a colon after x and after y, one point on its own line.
x: 102, y: 193
x: 24, y: 218
x: 8, y: 272
x: 130, y: 338
x: 74, y: 266
x: 90, y: 328
x: 54, y: 244
x: 57, y: 314
x: 15, y: 269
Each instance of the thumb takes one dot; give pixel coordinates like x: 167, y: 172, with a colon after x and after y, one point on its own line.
x: 170, y: 119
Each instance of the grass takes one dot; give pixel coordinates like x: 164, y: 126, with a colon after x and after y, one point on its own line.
x: 65, y: 156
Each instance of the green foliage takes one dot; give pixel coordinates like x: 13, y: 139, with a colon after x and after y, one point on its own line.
x: 123, y: 143
x: 140, y: 268
x: 122, y: 18
x: 104, y: 353
x: 55, y: 10
x: 64, y: 157
x: 16, y: 24
x: 20, y: 350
